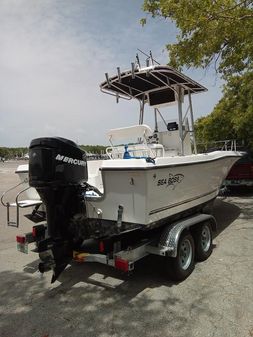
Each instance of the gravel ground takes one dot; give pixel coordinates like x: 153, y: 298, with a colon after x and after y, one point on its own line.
x: 97, y: 301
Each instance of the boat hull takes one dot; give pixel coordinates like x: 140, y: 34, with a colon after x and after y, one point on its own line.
x: 150, y: 193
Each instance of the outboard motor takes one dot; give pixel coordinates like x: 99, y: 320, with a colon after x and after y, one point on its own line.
x: 58, y: 169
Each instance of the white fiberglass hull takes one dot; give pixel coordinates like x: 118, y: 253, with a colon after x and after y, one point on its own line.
x: 152, y: 192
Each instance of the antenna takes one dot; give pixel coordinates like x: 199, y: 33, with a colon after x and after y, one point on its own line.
x: 149, y: 57
x: 138, y: 60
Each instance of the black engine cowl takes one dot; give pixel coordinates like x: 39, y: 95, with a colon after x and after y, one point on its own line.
x: 56, y: 161
x: 58, y: 169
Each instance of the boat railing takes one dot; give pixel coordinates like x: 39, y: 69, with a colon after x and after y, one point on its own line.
x: 228, y: 145
x: 223, y: 145
x: 18, y: 203
x: 136, y: 151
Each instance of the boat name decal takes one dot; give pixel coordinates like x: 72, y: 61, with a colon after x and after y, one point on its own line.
x: 171, y: 181
x: 70, y: 160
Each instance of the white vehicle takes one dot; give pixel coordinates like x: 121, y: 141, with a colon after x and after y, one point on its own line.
x: 152, y: 189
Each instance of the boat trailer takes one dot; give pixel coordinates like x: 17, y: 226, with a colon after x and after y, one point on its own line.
x: 180, y: 243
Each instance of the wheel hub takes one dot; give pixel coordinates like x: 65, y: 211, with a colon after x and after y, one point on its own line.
x: 205, y: 238
x: 185, y: 254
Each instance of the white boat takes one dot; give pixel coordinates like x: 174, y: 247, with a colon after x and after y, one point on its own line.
x: 152, y: 178
x: 161, y: 177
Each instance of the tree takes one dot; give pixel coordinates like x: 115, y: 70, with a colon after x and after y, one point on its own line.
x: 218, y: 31
x: 13, y: 152
x: 95, y: 149
x: 232, y: 117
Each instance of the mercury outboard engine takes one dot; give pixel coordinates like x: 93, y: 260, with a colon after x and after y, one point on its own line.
x: 58, y: 169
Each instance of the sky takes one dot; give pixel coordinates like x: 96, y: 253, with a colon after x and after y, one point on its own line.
x: 53, y: 56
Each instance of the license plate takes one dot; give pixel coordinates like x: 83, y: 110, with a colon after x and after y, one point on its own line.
x: 22, y: 247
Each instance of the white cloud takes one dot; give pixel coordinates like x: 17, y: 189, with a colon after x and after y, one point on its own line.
x: 54, y: 55
x: 48, y: 78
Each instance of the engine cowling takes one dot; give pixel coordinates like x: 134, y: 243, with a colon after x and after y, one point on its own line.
x: 56, y: 162
x: 58, y: 169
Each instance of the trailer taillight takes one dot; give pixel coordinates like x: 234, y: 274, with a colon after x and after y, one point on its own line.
x: 20, y: 239
x: 38, y: 232
x: 22, y: 244
x: 101, y: 247
x: 121, y: 264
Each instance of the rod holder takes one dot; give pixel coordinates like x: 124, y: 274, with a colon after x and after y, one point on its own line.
x: 138, y: 60
x: 133, y: 66
x: 119, y: 74
x: 107, y: 80
x: 151, y: 57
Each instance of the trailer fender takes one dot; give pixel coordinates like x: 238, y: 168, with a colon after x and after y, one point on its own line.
x: 171, y: 234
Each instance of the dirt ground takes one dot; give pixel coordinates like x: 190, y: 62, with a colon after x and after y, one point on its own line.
x: 97, y: 301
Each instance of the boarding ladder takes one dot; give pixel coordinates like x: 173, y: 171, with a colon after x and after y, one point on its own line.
x: 18, y: 203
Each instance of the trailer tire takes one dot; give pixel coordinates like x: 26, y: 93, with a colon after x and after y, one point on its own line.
x: 203, y: 238
x: 181, y: 266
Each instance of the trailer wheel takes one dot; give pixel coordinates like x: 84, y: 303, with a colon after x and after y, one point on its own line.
x: 203, y: 241
x: 181, y: 266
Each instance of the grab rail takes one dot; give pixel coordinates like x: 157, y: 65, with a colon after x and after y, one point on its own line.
x: 10, y: 189
x: 18, y: 203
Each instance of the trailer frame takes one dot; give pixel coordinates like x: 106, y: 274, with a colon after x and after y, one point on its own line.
x: 166, y: 243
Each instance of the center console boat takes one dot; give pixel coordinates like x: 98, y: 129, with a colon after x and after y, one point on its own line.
x: 152, y: 176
